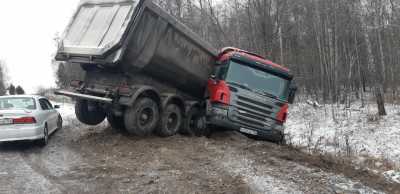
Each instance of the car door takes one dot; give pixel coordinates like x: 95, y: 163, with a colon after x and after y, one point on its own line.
x: 46, y: 114
x: 53, y: 115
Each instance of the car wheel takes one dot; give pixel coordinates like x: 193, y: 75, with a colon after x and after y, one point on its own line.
x: 43, y: 142
x: 142, y: 118
x: 171, y: 121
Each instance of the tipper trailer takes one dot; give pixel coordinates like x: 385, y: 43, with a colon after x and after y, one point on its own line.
x: 147, y: 72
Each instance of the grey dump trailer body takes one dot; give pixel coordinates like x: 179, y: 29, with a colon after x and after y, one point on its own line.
x: 136, y: 42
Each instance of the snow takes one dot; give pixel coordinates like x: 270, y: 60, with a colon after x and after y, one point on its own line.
x: 260, y: 182
x: 356, y: 132
x: 341, y: 184
x: 269, y: 179
x: 392, y: 176
x: 67, y: 111
x: 351, y: 130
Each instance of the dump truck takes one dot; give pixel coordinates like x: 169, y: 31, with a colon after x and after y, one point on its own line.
x: 146, y: 73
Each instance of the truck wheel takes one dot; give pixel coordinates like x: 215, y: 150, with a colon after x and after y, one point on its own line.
x: 89, y: 113
x: 116, y: 122
x: 142, y: 118
x: 282, y: 139
x: 278, y: 138
x: 171, y: 121
x: 195, y: 123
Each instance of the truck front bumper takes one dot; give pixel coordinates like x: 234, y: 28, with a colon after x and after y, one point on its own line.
x: 224, y: 117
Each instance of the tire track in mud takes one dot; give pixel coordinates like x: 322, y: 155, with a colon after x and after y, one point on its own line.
x: 236, y: 160
x: 197, y: 165
x: 19, y: 176
x: 265, y: 172
x: 34, y: 164
x: 55, y: 161
x: 167, y: 165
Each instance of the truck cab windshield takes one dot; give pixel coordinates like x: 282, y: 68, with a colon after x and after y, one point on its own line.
x: 254, y: 79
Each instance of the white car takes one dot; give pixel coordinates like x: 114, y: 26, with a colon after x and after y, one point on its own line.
x: 28, y: 117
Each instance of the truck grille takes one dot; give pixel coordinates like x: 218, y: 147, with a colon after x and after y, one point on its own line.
x: 253, y: 113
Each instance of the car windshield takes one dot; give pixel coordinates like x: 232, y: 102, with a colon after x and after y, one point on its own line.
x: 17, y: 103
x: 255, y: 79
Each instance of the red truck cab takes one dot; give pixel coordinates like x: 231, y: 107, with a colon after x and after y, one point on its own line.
x: 250, y: 94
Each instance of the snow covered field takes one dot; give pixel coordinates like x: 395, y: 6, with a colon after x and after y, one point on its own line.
x: 354, y: 131
x: 67, y: 110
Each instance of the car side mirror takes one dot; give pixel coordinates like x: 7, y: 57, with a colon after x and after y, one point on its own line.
x: 57, y: 107
x: 292, y: 94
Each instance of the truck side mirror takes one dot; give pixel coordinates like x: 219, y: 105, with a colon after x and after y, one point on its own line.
x: 213, y: 79
x: 292, y: 94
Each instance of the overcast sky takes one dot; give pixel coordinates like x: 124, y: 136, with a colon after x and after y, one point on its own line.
x: 27, y: 30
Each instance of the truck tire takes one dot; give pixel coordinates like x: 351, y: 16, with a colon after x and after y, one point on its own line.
x: 116, y: 122
x: 142, y: 118
x: 195, y: 123
x: 278, y: 138
x: 90, y: 114
x: 171, y: 121
x: 282, y: 140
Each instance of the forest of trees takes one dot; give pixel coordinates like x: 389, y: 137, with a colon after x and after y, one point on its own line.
x: 65, y: 73
x: 3, y: 90
x: 338, y: 50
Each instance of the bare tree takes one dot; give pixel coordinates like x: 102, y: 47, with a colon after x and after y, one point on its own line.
x: 374, y: 68
x: 3, y: 75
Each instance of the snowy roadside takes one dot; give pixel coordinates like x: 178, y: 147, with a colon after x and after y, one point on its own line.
x: 67, y: 111
x: 354, y: 131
